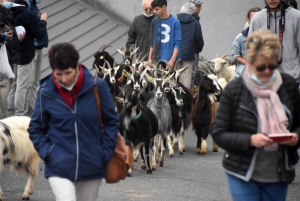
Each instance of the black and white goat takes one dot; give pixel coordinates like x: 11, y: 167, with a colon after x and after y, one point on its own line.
x: 203, y: 112
x: 100, y: 58
x: 17, y: 151
x: 138, y: 125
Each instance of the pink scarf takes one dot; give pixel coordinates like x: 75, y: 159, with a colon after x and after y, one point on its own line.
x: 271, y: 112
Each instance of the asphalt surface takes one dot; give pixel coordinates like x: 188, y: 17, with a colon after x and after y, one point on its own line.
x: 184, y: 177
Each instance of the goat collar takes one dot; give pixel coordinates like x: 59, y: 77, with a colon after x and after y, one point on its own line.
x: 159, y: 106
x: 127, y: 57
x: 137, y: 116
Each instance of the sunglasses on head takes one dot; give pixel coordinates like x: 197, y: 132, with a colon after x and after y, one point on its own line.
x: 263, y: 68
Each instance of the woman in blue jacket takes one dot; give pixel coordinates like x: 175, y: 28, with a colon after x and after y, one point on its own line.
x: 65, y: 127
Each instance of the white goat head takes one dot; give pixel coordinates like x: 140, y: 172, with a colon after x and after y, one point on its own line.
x: 219, y: 63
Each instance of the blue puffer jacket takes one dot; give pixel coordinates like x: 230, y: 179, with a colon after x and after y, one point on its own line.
x: 70, y: 140
x: 191, y: 36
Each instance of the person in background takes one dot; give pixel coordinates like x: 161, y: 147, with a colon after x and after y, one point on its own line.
x: 292, y: 3
x: 65, y: 127
x: 259, y: 103
x: 38, y: 57
x: 238, y: 46
x: 191, y: 38
x: 139, y: 33
x: 13, y: 53
x: 282, y: 20
x: 22, y: 87
x: 165, y: 35
x: 198, y: 48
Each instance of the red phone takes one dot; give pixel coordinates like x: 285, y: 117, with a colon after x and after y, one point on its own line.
x: 279, y: 137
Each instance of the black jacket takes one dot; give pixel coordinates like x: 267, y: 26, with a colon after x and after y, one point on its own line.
x: 29, y: 20
x: 139, y: 33
x: 198, y: 48
x: 237, y: 119
x: 13, y: 45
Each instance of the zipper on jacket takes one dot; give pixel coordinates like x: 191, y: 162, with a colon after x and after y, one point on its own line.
x: 76, y: 130
x: 256, y: 115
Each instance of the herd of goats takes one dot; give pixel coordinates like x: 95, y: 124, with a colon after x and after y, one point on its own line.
x: 154, y: 110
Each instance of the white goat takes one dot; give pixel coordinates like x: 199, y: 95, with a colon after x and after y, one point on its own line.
x: 222, y: 70
x: 17, y: 151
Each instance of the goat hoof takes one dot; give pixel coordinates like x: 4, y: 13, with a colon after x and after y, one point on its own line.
x: 143, y: 167
x: 149, y: 171
x: 181, y: 153
x: 129, y: 174
x: 161, y: 164
x: 198, y: 150
x: 135, y: 160
x: 25, y: 198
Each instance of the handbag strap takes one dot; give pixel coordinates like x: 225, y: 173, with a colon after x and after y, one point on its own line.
x: 97, y: 96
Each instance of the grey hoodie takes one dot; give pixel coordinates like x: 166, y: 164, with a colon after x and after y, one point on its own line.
x: 291, y: 37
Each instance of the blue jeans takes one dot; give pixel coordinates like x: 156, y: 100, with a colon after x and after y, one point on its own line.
x: 256, y: 191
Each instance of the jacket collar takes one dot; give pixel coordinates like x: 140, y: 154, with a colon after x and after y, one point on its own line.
x: 48, y: 87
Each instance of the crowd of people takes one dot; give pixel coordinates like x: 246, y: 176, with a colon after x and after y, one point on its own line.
x: 263, y: 99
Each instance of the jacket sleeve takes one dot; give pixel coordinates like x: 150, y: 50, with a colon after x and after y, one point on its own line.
x: 177, y: 39
x: 296, y: 120
x: 222, y: 133
x: 236, y: 47
x: 131, y: 34
x: 38, y: 128
x: 37, y: 27
x: 2, y: 38
x: 110, y: 120
x: 199, y: 38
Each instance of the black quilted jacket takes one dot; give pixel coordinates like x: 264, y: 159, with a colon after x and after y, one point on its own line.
x: 237, y: 120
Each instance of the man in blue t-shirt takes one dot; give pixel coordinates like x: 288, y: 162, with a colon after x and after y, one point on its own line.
x: 165, y: 35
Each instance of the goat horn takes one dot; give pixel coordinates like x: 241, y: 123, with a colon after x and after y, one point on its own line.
x: 143, y: 58
x: 104, y: 47
x: 131, y: 47
x: 217, y: 56
x: 132, y: 70
x: 97, y: 69
x: 166, y: 80
x: 139, y: 58
x: 108, y: 64
x: 225, y: 55
x: 182, y: 69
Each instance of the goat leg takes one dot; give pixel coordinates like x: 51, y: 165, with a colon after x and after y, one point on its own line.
x: 28, y: 188
x: 149, y: 171
x: 171, y: 150
x: 142, y: 159
x: 163, y: 151
x: 155, y: 153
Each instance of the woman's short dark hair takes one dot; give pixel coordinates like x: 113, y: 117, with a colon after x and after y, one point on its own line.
x: 63, y: 56
x: 159, y: 3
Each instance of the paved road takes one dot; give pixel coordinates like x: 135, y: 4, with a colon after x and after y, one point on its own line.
x: 189, y: 177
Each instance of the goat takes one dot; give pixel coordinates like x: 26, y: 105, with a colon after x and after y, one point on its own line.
x: 17, y: 151
x: 159, y: 105
x: 179, y: 121
x: 100, y: 58
x: 222, y: 70
x: 138, y: 125
x: 203, y: 112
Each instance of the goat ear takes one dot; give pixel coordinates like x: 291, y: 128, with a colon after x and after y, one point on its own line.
x: 120, y: 100
x: 121, y: 52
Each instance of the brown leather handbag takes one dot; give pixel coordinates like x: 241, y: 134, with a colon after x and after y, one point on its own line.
x: 122, y: 158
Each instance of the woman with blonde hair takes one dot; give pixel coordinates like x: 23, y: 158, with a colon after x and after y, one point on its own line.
x: 253, y: 107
